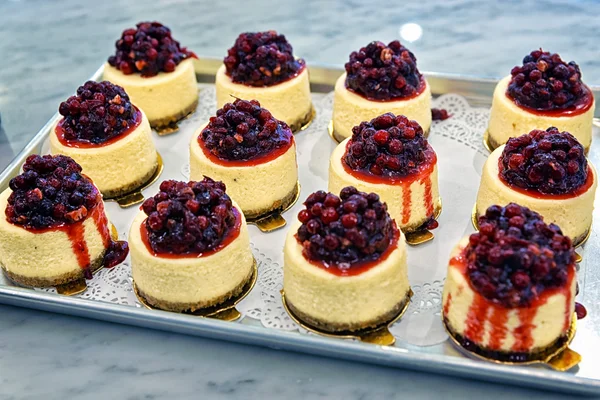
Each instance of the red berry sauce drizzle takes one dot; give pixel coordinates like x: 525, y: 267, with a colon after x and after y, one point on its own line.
x: 346, y: 235
x: 392, y: 150
x: 384, y: 73
x: 546, y: 164
x: 148, y: 49
x: 547, y: 85
x: 189, y: 219
x: 244, y: 133
x: 99, y: 114
x: 262, y: 59
x: 53, y: 194
x: 515, y: 261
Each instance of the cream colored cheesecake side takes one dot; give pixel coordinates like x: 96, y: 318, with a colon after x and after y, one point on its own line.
x: 343, y: 300
x: 509, y: 120
x: 458, y: 296
x: 350, y: 109
x: 288, y: 101
x: 162, y: 96
x: 255, y: 187
x: 43, y: 255
x: 572, y: 215
x: 392, y: 195
x: 118, y: 165
x: 190, y: 280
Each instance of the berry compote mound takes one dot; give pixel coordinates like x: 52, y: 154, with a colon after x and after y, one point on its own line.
x: 546, y: 82
x: 99, y: 112
x: 243, y: 130
x: 388, y: 146
x: 343, y: 231
x: 189, y: 217
x: 261, y: 59
x: 148, y: 49
x: 549, y: 162
x: 516, y: 256
x: 380, y: 72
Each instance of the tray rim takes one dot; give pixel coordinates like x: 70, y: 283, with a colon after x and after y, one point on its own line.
x: 324, y: 76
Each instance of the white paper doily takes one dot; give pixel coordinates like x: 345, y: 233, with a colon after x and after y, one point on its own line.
x: 459, y: 135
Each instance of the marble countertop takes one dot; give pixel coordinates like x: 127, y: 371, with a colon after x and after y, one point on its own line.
x: 49, y: 48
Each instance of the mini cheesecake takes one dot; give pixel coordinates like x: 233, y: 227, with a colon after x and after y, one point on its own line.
x: 253, y: 153
x: 157, y: 73
x: 380, y: 79
x: 108, y: 136
x: 390, y: 156
x: 55, y: 229
x: 544, y: 92
x: 510, y: 290
x: 345, y: 263
x: 190, y: 247
x: 546, y: 171
x: 261, y: 66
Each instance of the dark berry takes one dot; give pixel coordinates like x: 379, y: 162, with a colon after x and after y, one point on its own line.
x: 99, y: 112
x: 351, y: 228
x: 515, y: 256
x: 439, y: 114
x: 261, y: 59
x: 549, y: 162
x: 148, y: 49
x: 260, y: 132
x: 389, y: 146
x: 381, y: 72
x: 546, y: 82
x: 188, y: 217
x: 51, y: 191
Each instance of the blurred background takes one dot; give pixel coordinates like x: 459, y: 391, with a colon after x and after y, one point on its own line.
x: 48, y: 48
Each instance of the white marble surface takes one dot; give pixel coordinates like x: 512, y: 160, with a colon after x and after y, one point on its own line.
x: 47, y: 48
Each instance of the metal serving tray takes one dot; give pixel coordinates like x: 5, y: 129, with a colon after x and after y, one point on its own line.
x: 421, y: 343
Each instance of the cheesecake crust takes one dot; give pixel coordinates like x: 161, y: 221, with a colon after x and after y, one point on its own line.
x: 58, y: 280
x: 110, y: 194
x: 167, y: 121
x: 350, y: 327
x: 536, y: 354
x: 282, y: 204
x: 304, y: 121
x: 191, y: 307
x: 419, y: 225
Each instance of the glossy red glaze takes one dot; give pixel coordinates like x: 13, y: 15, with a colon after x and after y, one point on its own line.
x: 360, y: 267
x: 233, y: 233
x: 60, y: 134
x: 580, y: 311
x: 265, y: 158
x: 483, y: 310
x: 278, y: 83
x: 589, y: 182
x: 583, y: 105
x: 422, y: 87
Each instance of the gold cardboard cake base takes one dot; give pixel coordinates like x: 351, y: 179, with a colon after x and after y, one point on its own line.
x: 135, y: 196
x: 486, y: 142
x: 224, y: 311
x: 273, y: 219
x: 306, y: 124
x: 173, y: 126
x: 422, y: 235
x: 578, y: 257
x: 561, y: 358
x: 379, y: 335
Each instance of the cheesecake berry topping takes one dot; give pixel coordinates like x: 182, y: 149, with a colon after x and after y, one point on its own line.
x: 380, y: 72
x: 50, y: 192
x: 515, y: 256
x: 548, y: 162
x: 148, y: 49
x: 189, y: 217
x: 545, y: 82
x: 99, y: 112
x: 345, y: 230
x: 261, y: 59
x: 243, y: 130
x: 388, y: 146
